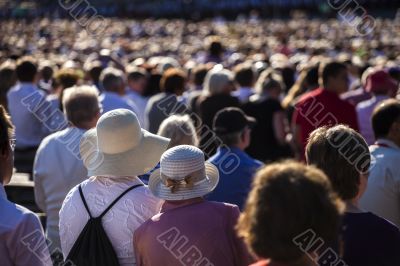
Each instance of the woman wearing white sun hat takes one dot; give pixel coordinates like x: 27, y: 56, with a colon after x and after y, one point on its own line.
x: 188, y: 230
x: 115, y: 153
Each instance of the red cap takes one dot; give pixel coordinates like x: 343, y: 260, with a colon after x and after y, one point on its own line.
x: 380, y: 82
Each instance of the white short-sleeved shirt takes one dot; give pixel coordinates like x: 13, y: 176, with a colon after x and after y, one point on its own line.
x: 382, y: 196
x: 137, y: 206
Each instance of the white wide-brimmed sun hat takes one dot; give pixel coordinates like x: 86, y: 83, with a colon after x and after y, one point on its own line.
x: 183, y: 175
x: 118, y: 146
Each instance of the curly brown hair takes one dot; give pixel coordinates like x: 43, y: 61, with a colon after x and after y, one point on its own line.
x: 287, y: 199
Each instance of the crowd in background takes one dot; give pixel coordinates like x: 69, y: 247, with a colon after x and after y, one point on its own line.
x: 196, y: 111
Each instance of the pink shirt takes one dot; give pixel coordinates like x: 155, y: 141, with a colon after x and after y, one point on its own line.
x: 195, y: 232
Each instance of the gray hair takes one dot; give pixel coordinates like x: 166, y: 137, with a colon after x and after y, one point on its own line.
x: 81, y: 104
x: 180, y: 130
x: 111, y: 78
x: 216, y: 80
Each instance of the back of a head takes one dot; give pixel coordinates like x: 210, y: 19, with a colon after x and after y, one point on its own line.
x: 173, y: 81
x: 384, y: 116
x: 216, y: 80
x: 6, y: 133
x: 112, y: 79
x: 66, y: 77
x: 179, y: 129
x: 288, y: 199
x: 7, y: 76
x: 268, y: 80
x: 134, y: 73
x: 342, y: 154
x: 244, y: 75
x: 329, y: 70
x: 81, y: 105
x: 199, y: 74
x: 26, y: 69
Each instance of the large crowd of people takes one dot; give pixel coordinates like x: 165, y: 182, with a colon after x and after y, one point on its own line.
x: 168, y: 142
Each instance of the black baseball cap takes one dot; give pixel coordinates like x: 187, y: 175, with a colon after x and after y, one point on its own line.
x: 231, y: 120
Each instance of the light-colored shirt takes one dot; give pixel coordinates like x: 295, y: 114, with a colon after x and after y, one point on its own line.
x: 32, y: 115
x: 364, y: 113
x: 21, y: 236
x: 141, y: 103
x: 120, y: 222
x: 57, y: 169
x: 111, y: 101
x: 382, y: 196
x: 243, y: 94
x: 193, y: 232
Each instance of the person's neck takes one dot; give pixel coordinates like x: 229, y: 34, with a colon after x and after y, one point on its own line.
x: 352, y: 206
x: 392, y: 139
x: 331, y: 90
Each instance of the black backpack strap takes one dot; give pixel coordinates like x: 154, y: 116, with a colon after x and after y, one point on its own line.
x: 84, y: 201
x: 117, y: 199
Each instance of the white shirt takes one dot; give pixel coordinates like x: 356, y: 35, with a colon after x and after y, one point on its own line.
x: 57, y: 169
x: 137, y: 206
x: 21, y: 236
x: 382, y: 196
x: 111, y: 101
x: 364, y: 113
x: 141, y: 103
x: 32, y: 115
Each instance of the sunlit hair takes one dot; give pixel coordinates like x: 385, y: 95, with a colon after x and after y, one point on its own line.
x: 180, y: 130
x: 287, y: 199
x: 216, y: 80
x: 81, y: 104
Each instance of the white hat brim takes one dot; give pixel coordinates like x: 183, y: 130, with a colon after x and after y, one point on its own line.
x: 160, y: 190
x: 137, y: 161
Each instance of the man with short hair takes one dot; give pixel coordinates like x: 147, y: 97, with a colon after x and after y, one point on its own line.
x: 382, y: 87
x: 21, y: 235
x: 112, y: 81
x: 236, y: 168
x: 323, y: 106
x: 382, y: 196
x: 58, y: 166
x: 245, y: 78
x: 166, y: 103
x: 137, y: 82
x: 31, y: 114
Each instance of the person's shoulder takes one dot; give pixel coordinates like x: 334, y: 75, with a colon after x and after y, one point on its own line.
x: 17, y: 216
x: 379, y: 224
x: 309, y: 96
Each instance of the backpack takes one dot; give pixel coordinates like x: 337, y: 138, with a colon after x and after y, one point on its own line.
x: 93, y: 247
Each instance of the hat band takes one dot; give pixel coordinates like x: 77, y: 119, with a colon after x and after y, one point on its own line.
x: 188, y: 181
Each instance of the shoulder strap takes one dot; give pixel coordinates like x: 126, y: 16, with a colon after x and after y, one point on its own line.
x: 84, y: 201
x: 117, y: 199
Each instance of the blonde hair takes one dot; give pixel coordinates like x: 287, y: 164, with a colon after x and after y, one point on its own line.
x: 179, y: 129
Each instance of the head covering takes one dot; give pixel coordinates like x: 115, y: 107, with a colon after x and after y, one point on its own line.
x: 231, y: 120
x: 119, y: 147
x: 380, y: 82
x: 183, y: 175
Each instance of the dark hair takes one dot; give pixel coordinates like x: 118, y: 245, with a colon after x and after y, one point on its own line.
x: 136, y: 73
x: 6, y: 129
x: 215, y: 48
x: 286, y: 200
x: 383, y: 117
x: 328, y: 70
x: 173, y: 81
x: 199, y: 74
x: 66, y: 78
x: 244, y: 75
x: 47, y: 72
x: 342, y: 154
x: 26, y: 69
